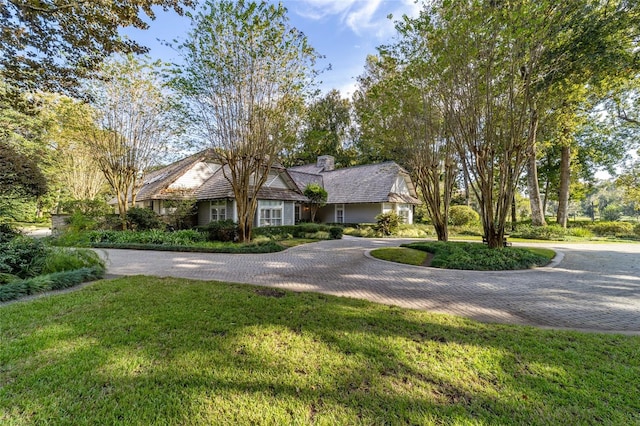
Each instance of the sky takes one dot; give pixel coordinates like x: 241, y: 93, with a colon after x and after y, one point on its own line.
x: 344, y: 31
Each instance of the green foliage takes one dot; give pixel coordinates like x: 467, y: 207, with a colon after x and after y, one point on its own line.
x: 462, y: 215
x: 335, y: 232
x: 152, y: 236
x: 54, y: 281
x: 7, y: 232
x: 387, y: 223
x: 266, y: 246
x: 61, y: 259
x: 23, y: 256
x: 143, y: 219
x: 83, y: 34
x: 317, y: 196
x: 19, y: 174
x: 223, y: 230
x: 612, y: 229
x: 479, y: 257
x: 303, y: 230
x: 550, y: 232
x: 612, y: 212
x: 181, y: 212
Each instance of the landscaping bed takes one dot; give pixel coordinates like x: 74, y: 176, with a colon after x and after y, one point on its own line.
x: 465, y: 255
x: 29, y: 266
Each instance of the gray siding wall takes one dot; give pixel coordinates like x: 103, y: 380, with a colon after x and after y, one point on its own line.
x: 353, y: 213
x: 288, y: 213
x: 204, y: 212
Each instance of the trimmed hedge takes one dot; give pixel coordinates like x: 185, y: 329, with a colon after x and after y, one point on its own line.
x: 262, y: 247
x: 54, y: 281
x: 304, y: 230
x: 604, y: 229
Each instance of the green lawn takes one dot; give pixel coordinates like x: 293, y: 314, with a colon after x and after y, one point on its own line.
x: 146, y: 350
x: 404, y: 255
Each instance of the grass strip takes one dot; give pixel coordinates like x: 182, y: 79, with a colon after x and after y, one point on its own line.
x: 144, y: 350
x: 408, y: 256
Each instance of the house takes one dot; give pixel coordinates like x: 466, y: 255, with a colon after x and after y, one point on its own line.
x: 355, y: 194
x: 358, y: 194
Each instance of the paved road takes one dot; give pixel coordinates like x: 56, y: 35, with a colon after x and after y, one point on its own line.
x: 594, y: 287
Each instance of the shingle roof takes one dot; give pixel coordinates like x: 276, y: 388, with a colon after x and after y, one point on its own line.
x: 158, y: 180
x: 371, y: 183
x: 217, y: 187
x: 302, y: 179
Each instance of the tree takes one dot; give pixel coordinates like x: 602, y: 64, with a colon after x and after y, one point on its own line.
x: 73, y: 171
x: 326, y: 131
x: 602, y: 31
x: 246, y: 72
x: 134, y: 125
x: 317, y: 196
x: 50, y: 44
x: 19, y: 174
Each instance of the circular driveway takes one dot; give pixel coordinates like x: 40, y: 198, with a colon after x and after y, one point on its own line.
x: 595, y: 286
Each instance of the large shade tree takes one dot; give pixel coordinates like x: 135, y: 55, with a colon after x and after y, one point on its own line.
x: 245, y: 73
x: 50, y: 44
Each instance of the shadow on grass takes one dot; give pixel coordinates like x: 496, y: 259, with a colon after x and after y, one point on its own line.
x: 145, y: 350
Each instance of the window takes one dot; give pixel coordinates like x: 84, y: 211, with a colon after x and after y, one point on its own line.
x: 270, y: 213
x: 339, y: 213
x: 296, y: 213
x: 404, y: 211
x: 218, y: 211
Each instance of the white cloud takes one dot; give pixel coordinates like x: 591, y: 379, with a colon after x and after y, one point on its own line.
x: 365, y: 18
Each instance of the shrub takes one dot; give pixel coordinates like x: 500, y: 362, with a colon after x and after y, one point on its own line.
x: 224, y: 230
x: 612, y: 212
x: 66, y: 259
x: 475, y: 256
x: 550, y: 232
x: 636, y: 230
x: 55, y: 281
x: 142, y: 219
x: 414, y: 231
x: 603, y: 229
x: 335, y: 232
x: 303, y: 230
x: 462, y: 215
x: 22, y: 256
x: 387, y: 223
x: 7, y: 232
x: 580, y: 232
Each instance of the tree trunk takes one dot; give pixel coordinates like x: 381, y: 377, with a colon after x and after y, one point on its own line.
x: 565, y: 177
x: 537, y: 212
x: 442, y: 230
x: 514, y: 218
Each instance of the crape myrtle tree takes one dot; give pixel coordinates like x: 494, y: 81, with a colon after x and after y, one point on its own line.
x: 50, y: 45
x: 486, y: 56
x: 245, y: 73
x: 397, y: 103
x: 134, y: 125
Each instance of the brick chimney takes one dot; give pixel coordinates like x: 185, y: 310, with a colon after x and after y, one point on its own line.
x: 326, y: 162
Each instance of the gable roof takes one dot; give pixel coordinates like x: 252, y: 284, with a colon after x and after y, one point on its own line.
x: 370, y: 183
x: 158, y: 184
x: 217, y: 186
x: 159, y: 180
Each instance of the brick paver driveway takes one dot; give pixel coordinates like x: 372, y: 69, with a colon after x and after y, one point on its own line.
x: 594, y: 287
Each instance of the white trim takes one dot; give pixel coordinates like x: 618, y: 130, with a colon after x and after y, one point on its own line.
x: 335, y: 213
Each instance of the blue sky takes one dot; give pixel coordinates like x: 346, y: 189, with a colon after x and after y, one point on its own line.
x: 344, y: 31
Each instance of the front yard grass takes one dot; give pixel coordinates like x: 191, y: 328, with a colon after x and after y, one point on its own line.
x: 145, y: 350
x: 407, y: 256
